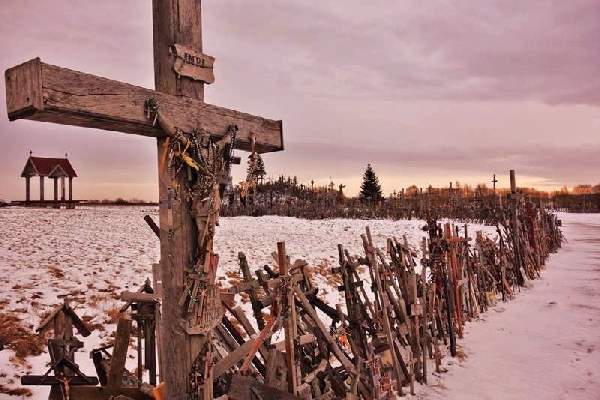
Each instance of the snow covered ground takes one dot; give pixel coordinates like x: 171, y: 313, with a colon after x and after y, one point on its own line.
x: 93, y: 254
x: 545, y: 344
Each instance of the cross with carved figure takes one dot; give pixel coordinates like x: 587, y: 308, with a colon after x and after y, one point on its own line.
x: 47, y: 93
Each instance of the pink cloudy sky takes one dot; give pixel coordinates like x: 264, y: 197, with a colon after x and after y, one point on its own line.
x: 427, y: 92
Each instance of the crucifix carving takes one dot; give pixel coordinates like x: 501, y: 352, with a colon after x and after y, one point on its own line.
x: 47, y: 93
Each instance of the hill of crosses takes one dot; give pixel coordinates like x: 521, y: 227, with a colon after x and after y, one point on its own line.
x: 373, y: 303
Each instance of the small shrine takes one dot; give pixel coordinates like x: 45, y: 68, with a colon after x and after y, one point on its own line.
x: 52, y: 168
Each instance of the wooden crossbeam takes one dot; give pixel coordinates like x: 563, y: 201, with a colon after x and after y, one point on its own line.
x: 139, y: 297
x: 47, y: 93
x: 52, y: 380
x: 65, y: 308
x: 106, y: 393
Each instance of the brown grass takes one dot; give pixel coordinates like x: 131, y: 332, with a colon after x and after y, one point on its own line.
x: 112, y: 315
x: 324, y: 269
x: 15, y: 336
x: 23, y: 392
x: 108, y: 340
x: 94, y: 299
x: 234, y: 277
x: 93, y: 325
x: 56, y: 272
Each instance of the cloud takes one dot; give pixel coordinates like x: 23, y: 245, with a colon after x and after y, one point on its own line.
x: 460, y: 50
x: 426, y: 91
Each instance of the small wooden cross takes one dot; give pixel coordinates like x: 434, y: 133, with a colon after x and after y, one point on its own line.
x: 47, y: 93
x: 63, y: 321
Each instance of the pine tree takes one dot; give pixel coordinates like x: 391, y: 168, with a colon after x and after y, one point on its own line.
x: 260, y: 168
x: 251, y: 170
x: 370, y: 189
x: 256, y: 167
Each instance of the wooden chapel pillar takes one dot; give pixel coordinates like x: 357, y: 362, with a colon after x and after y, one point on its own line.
x: 27, y: 189
x: 70, y: 188
x: 41, y: 188
x: 62, y: 188
x: 55, y: 179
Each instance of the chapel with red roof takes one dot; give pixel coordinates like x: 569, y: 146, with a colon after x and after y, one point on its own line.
x: 52, y: 168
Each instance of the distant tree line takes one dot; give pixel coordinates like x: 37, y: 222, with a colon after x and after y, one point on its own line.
x: 286, y: 196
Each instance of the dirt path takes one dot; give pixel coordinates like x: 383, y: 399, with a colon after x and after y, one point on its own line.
x: 546, y: 343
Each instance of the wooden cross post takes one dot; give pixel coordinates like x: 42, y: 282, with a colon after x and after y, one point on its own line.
x: 42, y: 92
x: 514, y: 222
x: 494, y: 181
x: 252, y: 291
x: 455, y: 275
x: 289, y: 322
x: 424, y: 341
x: 390, y: 336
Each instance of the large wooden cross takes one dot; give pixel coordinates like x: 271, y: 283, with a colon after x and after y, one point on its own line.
x: 47, y: 93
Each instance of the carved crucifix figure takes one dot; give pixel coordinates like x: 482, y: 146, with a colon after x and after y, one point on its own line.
x: 42, y: 92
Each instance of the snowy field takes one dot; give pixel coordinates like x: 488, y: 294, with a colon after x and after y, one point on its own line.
x: 94, y: 254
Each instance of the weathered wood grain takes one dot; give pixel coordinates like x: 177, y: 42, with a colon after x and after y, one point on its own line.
x: 117, y: 363
x: 176, y: 21
x: 346, y: 363
x: 276, y: 370
x: 232, y: 358
x: 289, y: 323
x: 193, y: 64
x: 139, y: 297
x: 246, y: 388
x: 47, y: 93
x: 23, y: 88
